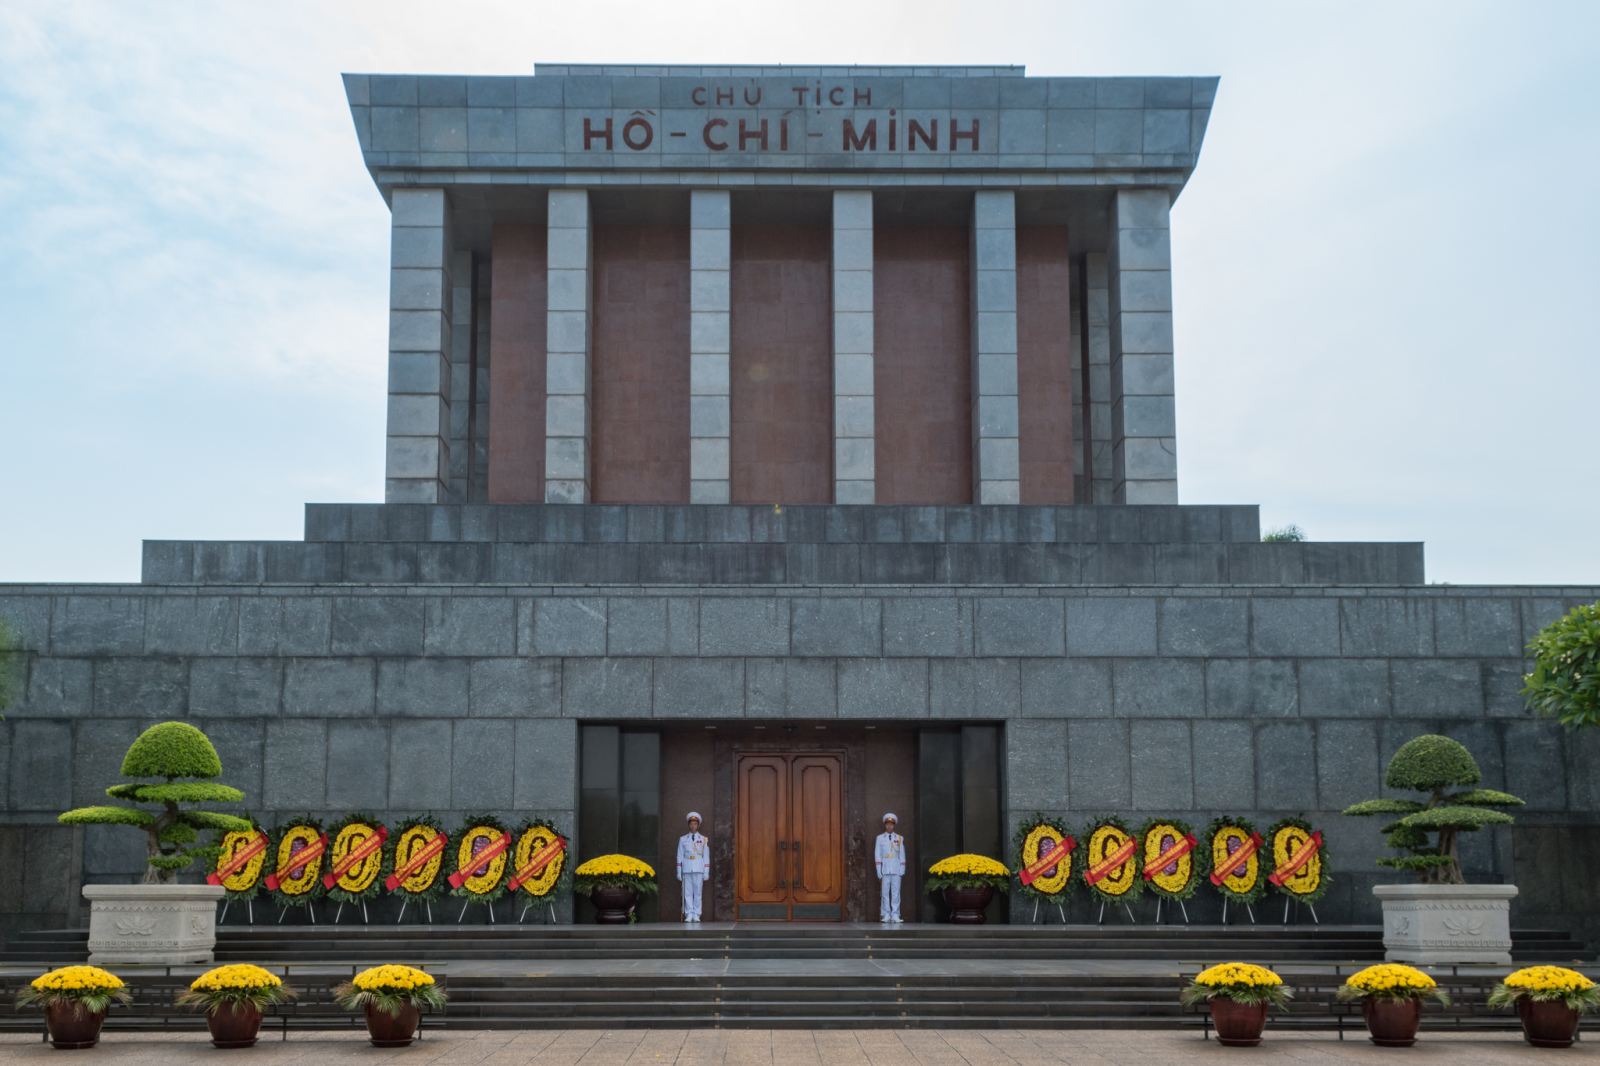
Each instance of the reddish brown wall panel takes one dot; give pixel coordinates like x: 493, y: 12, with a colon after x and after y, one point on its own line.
x: 517, y: 365
x: 923, y: 376
x: 641, y: 364
x: 1044, y: 364
x: 782, y: 369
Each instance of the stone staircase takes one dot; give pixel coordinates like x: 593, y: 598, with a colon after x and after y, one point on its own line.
x: 831, y: 976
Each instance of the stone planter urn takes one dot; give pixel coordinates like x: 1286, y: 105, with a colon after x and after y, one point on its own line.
x: 73, y: 1029
x: 1392, y: 1022
x: 1237, y: 1024
x: 1550, y: 1023
x: 393, y: 1030
x: 1428, y: 925
x: 967, y: 904
x: 234, y: 1025
x: 157, y: 925
x: 613, y: 904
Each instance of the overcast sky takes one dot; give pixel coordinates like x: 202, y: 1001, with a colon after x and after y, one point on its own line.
x: 1385, y: 267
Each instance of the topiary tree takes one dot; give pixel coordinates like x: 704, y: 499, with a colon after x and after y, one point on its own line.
x: 1435, y: 764
x: 169, y: 751
x: 1565, y: 682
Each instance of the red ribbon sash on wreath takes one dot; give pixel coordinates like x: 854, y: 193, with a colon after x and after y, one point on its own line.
x: 356, y: 857
x: 240, y: 857
x: 480, y: 859
x: 1226, y: 868
x: 1312, y: 845
x: 1048, y: 860
x: 1101, y: 870
x: 538, y: 862
x: 304, y: 857
x: 1177, y: 851
x: 418, y: 860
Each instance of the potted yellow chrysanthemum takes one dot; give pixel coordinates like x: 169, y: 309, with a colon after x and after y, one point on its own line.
x: 75, y: 1000
x: 233, y: 998
x: 1391, y: 998
x: 392, y: 996
x: 968, y: 882
x: 1549, y: 1000
x: 1238, y: 995
x: 614, y: 884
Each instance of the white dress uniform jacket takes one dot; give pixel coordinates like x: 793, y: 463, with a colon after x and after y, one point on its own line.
x: 890, y: 854
x: 694, y: 854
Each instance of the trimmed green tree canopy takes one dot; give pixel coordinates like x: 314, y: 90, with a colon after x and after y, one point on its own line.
x: 170, y: 750
x: 1426, y: 830
x: 1565, y: 683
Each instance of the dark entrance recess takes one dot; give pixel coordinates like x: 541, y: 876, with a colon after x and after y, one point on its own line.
x: 637, y: 784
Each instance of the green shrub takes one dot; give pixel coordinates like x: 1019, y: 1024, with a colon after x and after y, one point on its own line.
x: 169, y: 750
x: 1426, y: 831
x: 1289, y: 534
x: 1565, y: 682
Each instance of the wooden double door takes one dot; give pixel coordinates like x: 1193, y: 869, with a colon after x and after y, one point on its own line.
x: 788, y: 850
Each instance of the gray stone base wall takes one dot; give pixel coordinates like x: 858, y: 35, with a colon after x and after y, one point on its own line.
x: 1187, y: 701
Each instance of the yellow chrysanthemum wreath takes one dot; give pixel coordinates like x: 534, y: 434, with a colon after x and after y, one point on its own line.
x: 299, y: 856
x: 1038, y: 839
x: 1111, y: 860
x: 355, y: 858
x: 1299, y: 859
x: 538, y: 839
x: 482, y: 857
x: 1170, y: 864
x: 242, y: 856
x: 1235, y: 848
x: 415, y: 866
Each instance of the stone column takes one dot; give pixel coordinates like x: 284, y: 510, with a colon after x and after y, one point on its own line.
x: 417, y: 453
x: 1097, y: 349
x: 996, y: 455
x: 854, y: 434
x: 1143, y: 419
x: 710, y: 232
x: 568, y: 371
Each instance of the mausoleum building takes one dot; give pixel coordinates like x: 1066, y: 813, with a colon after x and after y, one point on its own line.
x: 788, y: 444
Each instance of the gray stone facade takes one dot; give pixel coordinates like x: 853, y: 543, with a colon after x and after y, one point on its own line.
x: 1260, y: 699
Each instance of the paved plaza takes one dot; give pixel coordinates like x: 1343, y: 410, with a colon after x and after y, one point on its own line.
x: 787, y: 1047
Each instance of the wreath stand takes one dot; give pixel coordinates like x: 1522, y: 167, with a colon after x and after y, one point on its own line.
x: 364, y: 919
x: 1181, y: 907
x: 469, y: 902
x: 1247, y: 910
x: 249, y: 910
x: 1055, y: 903
x: 550, y: 909
x: 1310, y: 907
x: 1102, y: 919
x: 311, y: 909
x: 427, y: 906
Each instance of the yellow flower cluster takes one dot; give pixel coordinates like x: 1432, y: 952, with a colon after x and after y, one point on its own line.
x: 967, y: 863
x: 239, y: 975
x: 392, y: 978
x: 77, y: 979
x: 1390, y: 977
x: 1237, y: 973
x: 1547, y: 979
x: 615, y: 866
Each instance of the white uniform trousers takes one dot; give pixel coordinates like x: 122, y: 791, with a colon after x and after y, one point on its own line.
x: 889, y: 898
x: 691, y: 896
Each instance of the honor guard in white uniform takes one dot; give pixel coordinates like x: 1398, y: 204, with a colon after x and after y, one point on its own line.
x: 890, y: 854
x: 694, y: 866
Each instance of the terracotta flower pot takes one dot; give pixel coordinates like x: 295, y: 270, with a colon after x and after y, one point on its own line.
x: 72, y: 1027
x: 1550, y: 1023
x: 393, y: 1030
x: 234, y: 1025
x: 1238, y: 1024
x: 1392, y: 1022
x: 967, y: 904
x: 613, y: 904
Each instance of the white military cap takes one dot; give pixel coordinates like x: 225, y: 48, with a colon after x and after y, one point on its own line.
x: 695, y: 815
x: 889, y: 817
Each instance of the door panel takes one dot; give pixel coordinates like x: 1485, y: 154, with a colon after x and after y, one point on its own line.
x: 763, y: 822
x: 789, y: 837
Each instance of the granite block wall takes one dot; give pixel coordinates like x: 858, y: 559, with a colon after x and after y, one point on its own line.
x: 1195, y: 701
